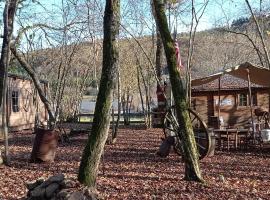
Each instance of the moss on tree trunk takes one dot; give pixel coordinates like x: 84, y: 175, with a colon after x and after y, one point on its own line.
x: 191, y: 158
x: 8, y: 18
x: 8, y: 21
x: 92, y: 152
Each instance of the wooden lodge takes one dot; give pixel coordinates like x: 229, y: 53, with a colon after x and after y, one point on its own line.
x: 23, y: 103
x: 232, y: 88
x: 234, y: 101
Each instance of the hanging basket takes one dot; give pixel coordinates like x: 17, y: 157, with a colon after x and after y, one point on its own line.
x: 45, y: 144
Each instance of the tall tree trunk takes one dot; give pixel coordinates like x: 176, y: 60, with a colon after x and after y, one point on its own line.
x: 8, y: 19
x: 145, y: 109
x: 185, y: 132
x: 141, y: 96
x: 123, y: 104
x: 115, y: 131
x: 126, y: 108
x: 158, y: 55
x: 159, y: 47
x: 92, y: 152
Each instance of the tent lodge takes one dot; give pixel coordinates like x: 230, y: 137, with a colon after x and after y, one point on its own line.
x: 231, y: 87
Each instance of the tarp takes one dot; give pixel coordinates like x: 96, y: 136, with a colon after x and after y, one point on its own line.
x: 258, y: 75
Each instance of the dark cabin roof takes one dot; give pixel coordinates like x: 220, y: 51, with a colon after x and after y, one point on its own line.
x: 228, y: 82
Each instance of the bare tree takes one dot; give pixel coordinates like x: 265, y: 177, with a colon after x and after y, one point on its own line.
x: 195, y: 19
x: 8, y: 19
x: 99, y: 133
x: 119, y: 93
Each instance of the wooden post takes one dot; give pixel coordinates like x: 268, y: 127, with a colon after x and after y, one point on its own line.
x: 250, y: 103
x: 4, y: 116
x: 219, y: 85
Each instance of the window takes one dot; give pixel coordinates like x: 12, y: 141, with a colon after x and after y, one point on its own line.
x: 254, y: 99
x: 15, y: 101
x: 243, y: 99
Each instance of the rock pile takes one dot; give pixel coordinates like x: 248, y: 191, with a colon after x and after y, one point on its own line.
x: 56, y: 188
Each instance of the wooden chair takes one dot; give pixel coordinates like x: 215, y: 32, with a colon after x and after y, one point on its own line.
x: 243, y: 139
x: 228, y: 139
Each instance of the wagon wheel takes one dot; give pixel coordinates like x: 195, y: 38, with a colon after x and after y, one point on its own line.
x: 201, y: 135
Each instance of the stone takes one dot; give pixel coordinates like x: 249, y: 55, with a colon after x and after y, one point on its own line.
x: 57, y: 178
x: 51, y: 189
x: 63, y: 194
x: 34, y: 184
x: 76, y: 196
x: 38, y: 192
x: 53, y: 179
x: 67, y: 183
x: 90, y: 193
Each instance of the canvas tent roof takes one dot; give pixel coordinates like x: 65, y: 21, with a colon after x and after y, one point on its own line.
x: 258, y: 75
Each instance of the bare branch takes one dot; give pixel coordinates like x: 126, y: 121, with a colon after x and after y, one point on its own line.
x: 259, y: 53
x: 144, y: 52
x: 260, y: 34
x: 35, y: 79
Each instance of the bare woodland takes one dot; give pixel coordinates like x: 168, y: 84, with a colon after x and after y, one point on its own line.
x: 117, y: 51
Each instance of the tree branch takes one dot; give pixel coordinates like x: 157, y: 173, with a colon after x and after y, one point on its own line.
x: 36, y: 81
x: 259, y: 53
x: 260, y: 34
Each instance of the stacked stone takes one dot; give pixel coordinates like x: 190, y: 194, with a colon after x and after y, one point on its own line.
x: 56, y: 188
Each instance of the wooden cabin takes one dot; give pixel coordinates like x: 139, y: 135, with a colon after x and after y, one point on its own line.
x: 234, y: 101
x: 23, y: 103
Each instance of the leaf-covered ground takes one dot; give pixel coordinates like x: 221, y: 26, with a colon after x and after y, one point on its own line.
x: 131, y: 170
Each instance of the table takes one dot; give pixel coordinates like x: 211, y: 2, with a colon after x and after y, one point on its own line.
x: 228, y: 133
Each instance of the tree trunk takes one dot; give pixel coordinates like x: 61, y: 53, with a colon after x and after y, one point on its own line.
x: 8, y: 19
x: 185, y: 132
x: 145, y: 109
x: 141, y: 96
x: 126, y: 108
x: 159, y: 46
x: 115, y: 131
x: 158, y: 55
x: 93, y: 150
x: 123, y: 101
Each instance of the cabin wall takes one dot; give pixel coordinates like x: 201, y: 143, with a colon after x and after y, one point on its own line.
x: 230, y: 111
x: 203, y: 105
x: 28, y: 104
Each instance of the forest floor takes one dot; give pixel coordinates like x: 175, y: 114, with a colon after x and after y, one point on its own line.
x: 131, y: 170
